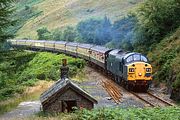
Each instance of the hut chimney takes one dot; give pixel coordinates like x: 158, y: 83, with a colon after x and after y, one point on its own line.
x: 64, y: 69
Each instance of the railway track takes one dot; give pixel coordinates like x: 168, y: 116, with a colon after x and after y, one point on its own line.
x: 115, y: 93
x: 112, y: 90
x: 152, y: 100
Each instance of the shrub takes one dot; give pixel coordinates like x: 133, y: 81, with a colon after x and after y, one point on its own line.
x: 19, y: 69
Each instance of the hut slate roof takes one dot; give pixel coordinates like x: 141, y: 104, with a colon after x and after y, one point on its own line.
x: 59, y: 85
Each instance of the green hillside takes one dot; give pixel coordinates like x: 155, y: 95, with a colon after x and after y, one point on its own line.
x: 54, y: 14
x: 166, y: 62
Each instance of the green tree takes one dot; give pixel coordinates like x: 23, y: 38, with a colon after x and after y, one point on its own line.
x: 57, y: 34
x: 156, y: 18
x: 5, y: 19
x: 105, y: 31
x: 90, y: 31
x: 69, y: 34
x: 44, y: 34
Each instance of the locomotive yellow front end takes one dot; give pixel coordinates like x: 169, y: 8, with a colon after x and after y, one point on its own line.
x: 139, y: 73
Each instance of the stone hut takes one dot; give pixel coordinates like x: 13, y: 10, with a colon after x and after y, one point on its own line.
x: 64, y: 95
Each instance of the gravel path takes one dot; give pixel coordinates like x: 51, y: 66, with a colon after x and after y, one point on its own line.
x: 23, y: 110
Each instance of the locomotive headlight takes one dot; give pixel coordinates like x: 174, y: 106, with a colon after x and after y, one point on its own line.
x: 148, y: 69
x: 131, y: 69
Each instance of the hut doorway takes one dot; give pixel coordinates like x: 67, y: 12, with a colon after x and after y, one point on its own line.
x: 68, y: 105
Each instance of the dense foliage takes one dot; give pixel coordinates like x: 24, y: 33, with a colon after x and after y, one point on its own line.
x: 19, y: 69
x: 155, y: 19
x: 168, y: 113
x: 166, y: 60
x: 130, y: 114
x: 5, y: 19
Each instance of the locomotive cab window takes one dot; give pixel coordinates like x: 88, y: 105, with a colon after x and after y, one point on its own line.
x: 136, y: 57
x: 144, y: 59
x: 129, y: 59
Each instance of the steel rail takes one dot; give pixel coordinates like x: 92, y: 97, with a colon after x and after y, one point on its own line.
x: 160, y: 99
x: 141, y: 98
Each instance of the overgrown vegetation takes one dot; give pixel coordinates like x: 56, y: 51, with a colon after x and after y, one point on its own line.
x: 169, y: 113
x: 166, y: 60
x: 19, y: 69
x: 155, y: 20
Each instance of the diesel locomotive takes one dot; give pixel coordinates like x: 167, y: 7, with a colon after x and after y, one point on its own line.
x: 129, y: 69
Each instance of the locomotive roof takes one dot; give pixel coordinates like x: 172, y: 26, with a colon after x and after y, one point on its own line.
x: 100, y: 49
x: 118, y: 53
x: 127, y: 55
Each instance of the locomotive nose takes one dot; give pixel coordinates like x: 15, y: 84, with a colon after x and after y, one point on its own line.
x: 139, y: 71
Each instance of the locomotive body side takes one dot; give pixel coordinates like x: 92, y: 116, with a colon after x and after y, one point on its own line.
x: 130, y: 69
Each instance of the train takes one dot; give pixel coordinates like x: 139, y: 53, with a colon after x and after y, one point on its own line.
x: 130, y: 69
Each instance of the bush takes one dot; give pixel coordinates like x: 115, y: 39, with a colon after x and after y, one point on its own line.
x: 19, y: 69
x: 130, y: 114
